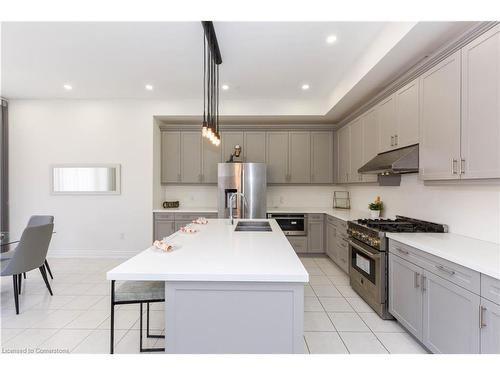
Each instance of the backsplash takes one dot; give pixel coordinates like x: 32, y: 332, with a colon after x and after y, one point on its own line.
x: 277, y: 196
x: 468, y: 209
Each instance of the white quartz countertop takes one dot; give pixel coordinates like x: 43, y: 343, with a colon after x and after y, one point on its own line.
x: 218, y: 253
x: 341, y: 214
x: 480, y: 256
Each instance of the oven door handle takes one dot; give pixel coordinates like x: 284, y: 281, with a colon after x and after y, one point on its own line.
x: 363, y: 249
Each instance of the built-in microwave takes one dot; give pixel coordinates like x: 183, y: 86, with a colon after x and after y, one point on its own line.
x: 291, y: 224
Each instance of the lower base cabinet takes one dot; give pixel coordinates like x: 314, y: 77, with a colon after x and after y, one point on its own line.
x: 167, y: 223
x: 298, y: 243
x: 445, y: 317
x: 336, y: 246
x: 450, y: 317
x: 490, y: 327
x: 405, y: 295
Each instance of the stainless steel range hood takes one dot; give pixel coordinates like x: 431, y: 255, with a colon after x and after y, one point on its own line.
x: 391, y: 164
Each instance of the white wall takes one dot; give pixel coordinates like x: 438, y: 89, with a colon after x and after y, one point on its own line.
x: 277, y: 196
x: 79, y: 131
x: 468, y: 209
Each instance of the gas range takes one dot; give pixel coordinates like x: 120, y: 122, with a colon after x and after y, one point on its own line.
x: 368, y: 245
x: 372, y: 231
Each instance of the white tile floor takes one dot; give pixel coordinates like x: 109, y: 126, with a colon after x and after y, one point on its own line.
x: 76, y: 318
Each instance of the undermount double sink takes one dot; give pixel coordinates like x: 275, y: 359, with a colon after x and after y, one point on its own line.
x: 253, y: 226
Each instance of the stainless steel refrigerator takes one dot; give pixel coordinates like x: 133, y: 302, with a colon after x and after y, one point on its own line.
x: 250, y: 180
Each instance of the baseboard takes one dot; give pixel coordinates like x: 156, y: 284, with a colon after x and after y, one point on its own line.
x: 92, y: 253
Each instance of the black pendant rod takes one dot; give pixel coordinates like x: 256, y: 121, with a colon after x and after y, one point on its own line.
x: 208, y: 27
x: 204, y: 80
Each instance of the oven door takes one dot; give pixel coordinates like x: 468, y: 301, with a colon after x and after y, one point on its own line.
x: 365, y: 260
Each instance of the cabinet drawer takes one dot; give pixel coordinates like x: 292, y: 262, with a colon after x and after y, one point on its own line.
x: 315, y: 217
x: 298, y: 243
x: 331, y: 220
x: 490, y: 288
x: 343, y: 258
x: 457, y: 274
x: 164, y: 216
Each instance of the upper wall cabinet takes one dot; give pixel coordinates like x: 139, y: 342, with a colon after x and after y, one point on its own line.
x: 480, y: 142
x: 191, y: 157
x: 299, y: 165
x: 292, y: 157
x: 387, y: 124
x: 344, y: 154
x: 356, y: 150
x: 370, y: 140
x: 321, y: 157
x: 229, y: 140
x: 170, y: 157
x: 440, y: 120
x: 407, y: 115
x: 254, y: 150
x: 210, y: 159
x: 277, y: 157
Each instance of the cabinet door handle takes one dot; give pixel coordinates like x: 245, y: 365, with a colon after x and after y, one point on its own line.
x: 462, y: 166
x: 445, y: 270
x: 454, y: 166
x: 423, y: 283
x: 392, y: 140
x: 396, y: 140
x: 482, y: 309
x: 402, y: 251
x: 415, y: 280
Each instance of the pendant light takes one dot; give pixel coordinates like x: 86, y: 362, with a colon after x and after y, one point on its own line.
x: 211, y: 61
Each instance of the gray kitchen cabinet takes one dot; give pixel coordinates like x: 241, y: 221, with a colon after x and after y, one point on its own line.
x: 170, y: 157
x: 229, y: 140
x: 299, y: 243
x: 450, y: 317
x: 299, y: 157
x: 344, y: 154
x: 163, y: 228
x: 191, y: 157
x: 440, y: 95
x: 387, y: 124
x: 405, y: 294
x: 211, y: 157
x: 370, y: 141
x: 356, y: 150
x: 331, y: 241
x: 181, y: 223
x: 343, y: 254
x: 254, y: 150
x: 315, y: 233
x: 480, y: 127
x: 490, y: 327
x: 321, y: 157
x: 277, y: 157
x: 407, y: 114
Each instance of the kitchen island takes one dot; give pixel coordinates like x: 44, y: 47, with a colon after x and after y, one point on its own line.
x: 226, y: 291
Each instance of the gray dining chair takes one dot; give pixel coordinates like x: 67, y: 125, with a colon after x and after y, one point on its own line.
x: 29, y: 254
x: 34, y: 221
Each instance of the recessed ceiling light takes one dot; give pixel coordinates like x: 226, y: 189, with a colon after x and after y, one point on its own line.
x: 305, y: 86
x: 225, y: 87
x: 331, y: 39
x: 68, y: 87
x: 149, y: 87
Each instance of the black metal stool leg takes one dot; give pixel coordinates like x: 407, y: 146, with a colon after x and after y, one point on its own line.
x: 112, y: 328
x: 147, y: 327
x: 48, y: 269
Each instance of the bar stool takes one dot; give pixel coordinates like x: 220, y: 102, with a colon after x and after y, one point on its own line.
x: 136, y: 292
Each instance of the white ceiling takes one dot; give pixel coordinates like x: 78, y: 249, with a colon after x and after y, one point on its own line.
x: 263, y: 62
